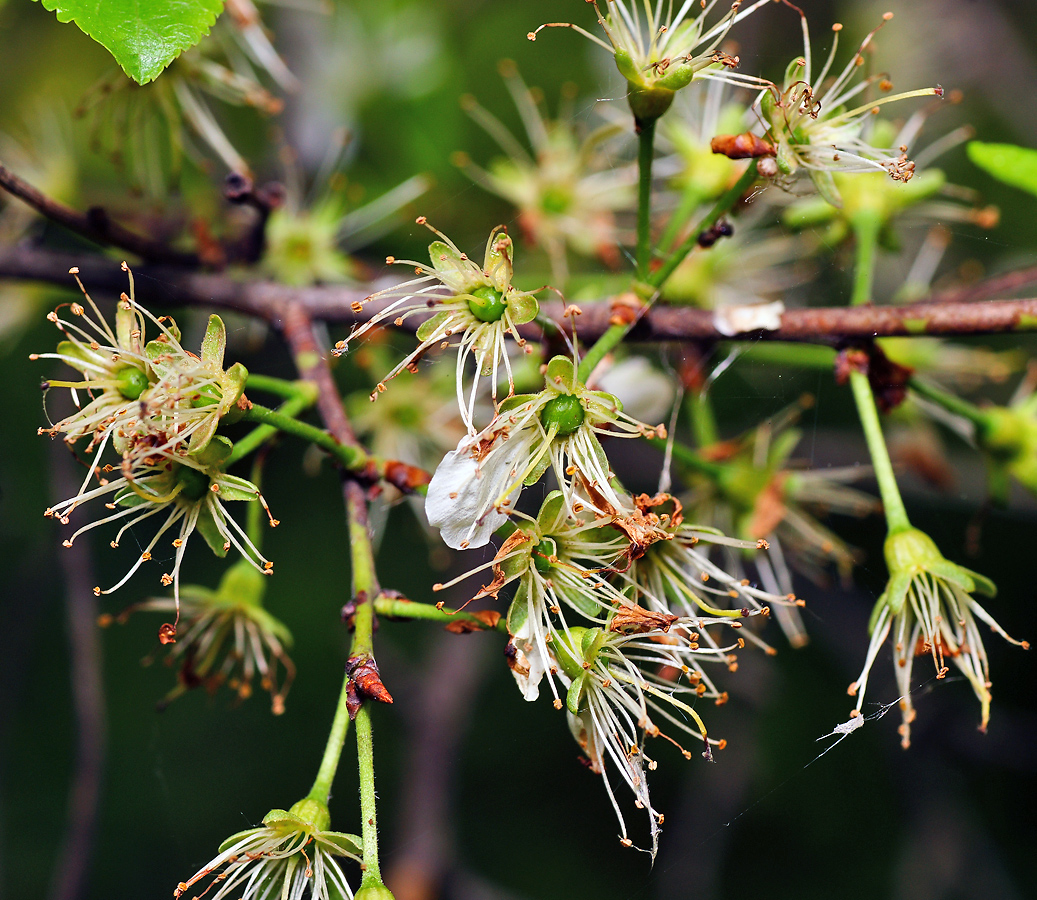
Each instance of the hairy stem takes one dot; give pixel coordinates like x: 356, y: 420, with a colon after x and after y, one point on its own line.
x: 365, y: 589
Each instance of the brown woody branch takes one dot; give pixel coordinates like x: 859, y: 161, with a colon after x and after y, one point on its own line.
x: 169, y: 286
x: 94, y: 224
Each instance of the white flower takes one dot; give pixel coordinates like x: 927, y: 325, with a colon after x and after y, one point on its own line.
x: 929, y: 608
x: 659, y: 50
x: 188, y: 492
x: 290, y: 856
x: 478, y: 484
x: 481, y: 306
x: 813, y: 126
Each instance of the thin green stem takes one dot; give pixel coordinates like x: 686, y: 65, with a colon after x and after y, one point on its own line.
x: 295, y: 404
x: 321, y: 789
x: 614, y: 334
x: 949, y: 402
x: 690, y: 458
x: 398, y: 608
x: 365, y: 590
x: 691, y: 198
x: 800, y: 356
x: 703, y: 422
x: 351, y: 457
x: 368, y: 803
x: 281, y: 387
x: 645, y: 155
x: 866, y: 227
x: 892, y: 502
x: 723, y: 205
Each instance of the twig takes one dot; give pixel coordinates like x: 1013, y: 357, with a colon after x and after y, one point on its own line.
x: 94, y: 224
x: 833, y: 325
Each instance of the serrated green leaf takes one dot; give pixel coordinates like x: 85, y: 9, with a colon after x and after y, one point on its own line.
x: 144, y: 36
x: 1013, y: 165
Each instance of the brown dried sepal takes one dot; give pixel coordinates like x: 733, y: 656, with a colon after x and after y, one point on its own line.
x: 167, y: 633
x: 742, y: 146
x: 769, y: 509
x: 487, y: 617
x: 499, y: 576
x: 405, y: 478
x: 888, y: 379
x: 625, y: 309
x: 364, y: 683
x: 637, y: 620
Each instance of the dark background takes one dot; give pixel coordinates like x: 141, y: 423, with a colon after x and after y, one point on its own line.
x: 479, y: 790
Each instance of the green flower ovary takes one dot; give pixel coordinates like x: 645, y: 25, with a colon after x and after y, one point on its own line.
x: 564, y: 412
x: 131, y: 382
x: 487, y: 304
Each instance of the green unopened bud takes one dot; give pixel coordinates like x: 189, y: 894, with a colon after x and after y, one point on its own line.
x: 131, y: 382
x: 373, y: 890
x: 487, y: 304
x: 195, y: 482
x: 564, y: 412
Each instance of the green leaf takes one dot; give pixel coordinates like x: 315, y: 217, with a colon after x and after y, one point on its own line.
x: 144, y: 36
x: 1013, y: 165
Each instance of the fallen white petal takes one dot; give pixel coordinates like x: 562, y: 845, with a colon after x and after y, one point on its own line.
x: 734, y: 320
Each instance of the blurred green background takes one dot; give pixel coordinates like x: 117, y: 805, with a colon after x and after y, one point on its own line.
x: 481, y: 794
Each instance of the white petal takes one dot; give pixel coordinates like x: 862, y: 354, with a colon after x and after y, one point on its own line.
x: 462, y: 492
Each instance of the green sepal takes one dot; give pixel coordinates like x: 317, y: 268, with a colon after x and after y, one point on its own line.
x: 561, y: 375
x: 522, y: 307
x: 627, y: 68
x: 825, y: 184
x: 676, y: 77
x: 896, y: 591
x: 449, y: 266
x: 498, y: 258
x: 876, y: 611
x: 984, y: 585
x: 68, y: 348
x: 579, y: 600
x: 208, y: 529
x: 202, y: 437
x: 553, y: 514
x: 575, y: 693
x: 234, y: 838
x: 234, y: 488
x: 346, y: 844
x: 537, y: 471
x: 954, y: 574
x: 515, y: 401
x: 214, y: 344
x: 785, y: 158
x: 215, y: 453
x: 429, y: 327
x: 518, y: 611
